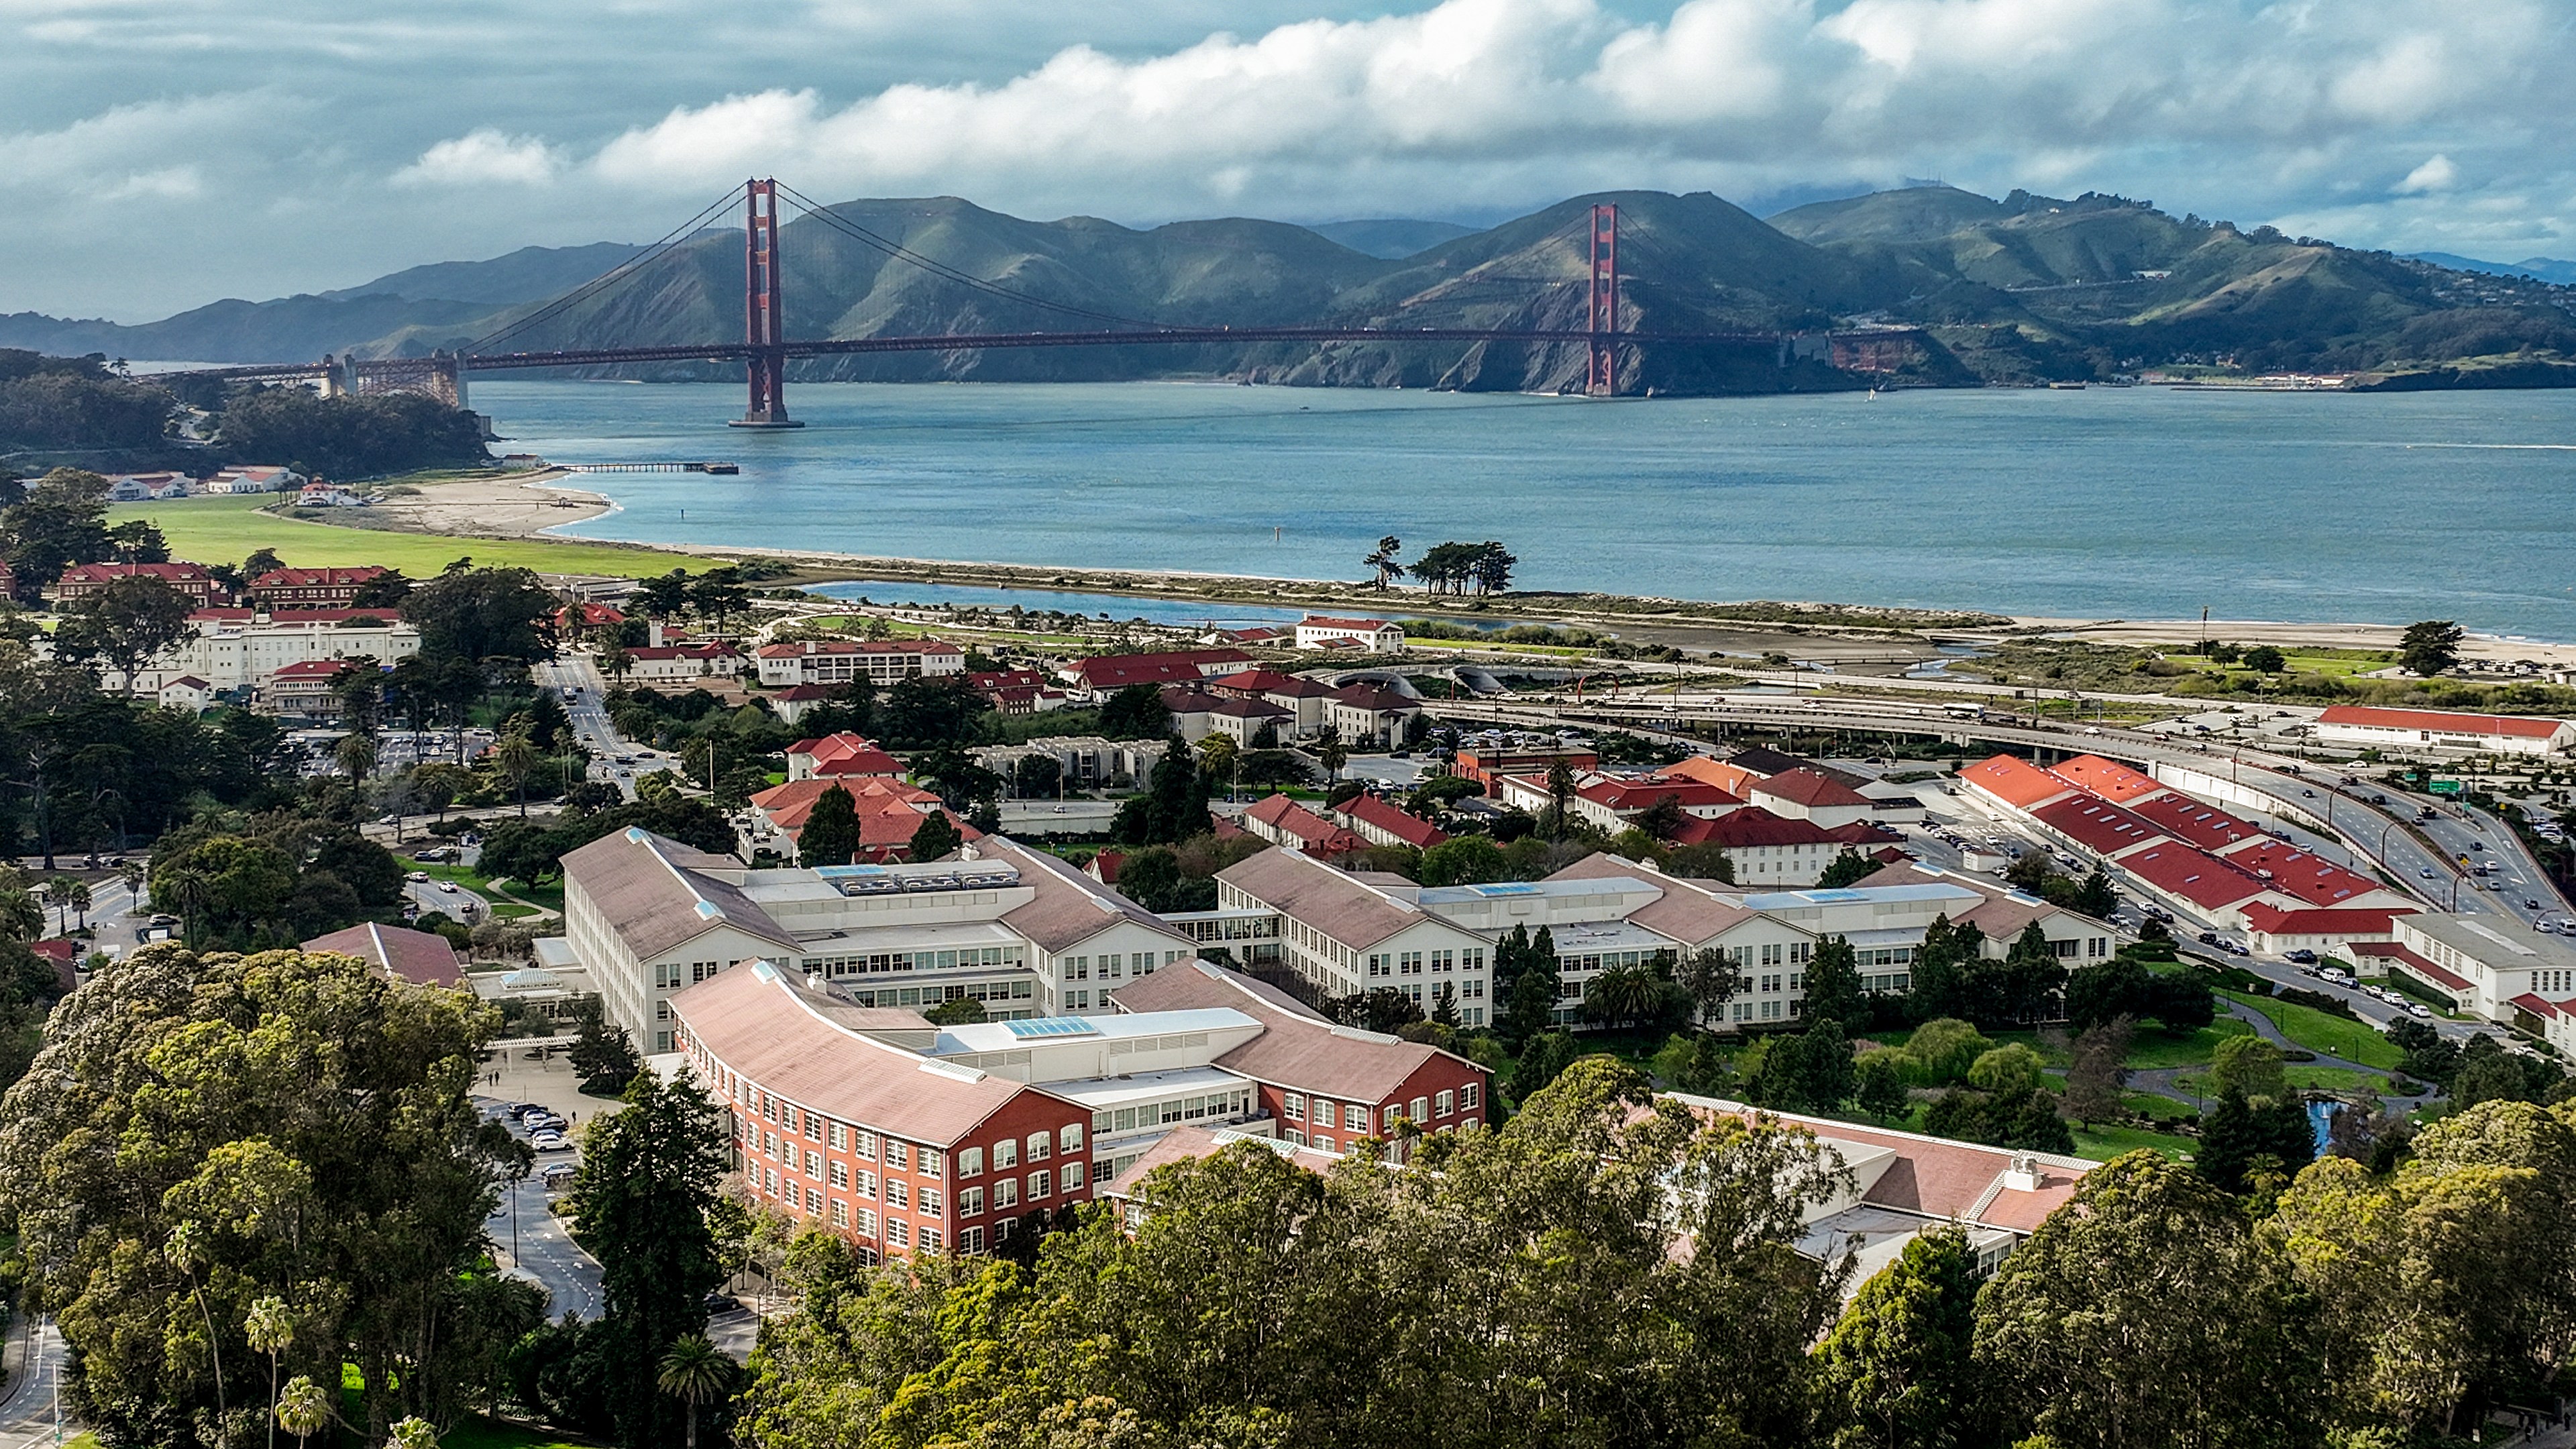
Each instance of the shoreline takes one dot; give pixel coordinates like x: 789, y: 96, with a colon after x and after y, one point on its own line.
x: 499, y: 507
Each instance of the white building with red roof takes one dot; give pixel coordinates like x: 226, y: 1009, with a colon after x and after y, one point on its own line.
x: 2433, y: 731
x: 1282, y: 821
x: 2097, y: 827
x: 1308, y: 700
x: 236, y: 649
x: 1366, y: 636
x: 669, y: 663
x: 255, y: 479
x: 1381, y: 823
x: 2199, y: 883
x: 1102, y: 675
x: 1614, y: 802
x: 881, y: 662
x: 1372, y: 717
x: 889, y: 813
x: 2486, y: 963
x: 1811, y: 796
x: 2327, y: 931
x: 2311, y: 880
x: 841, y: 755
x: 420, y: 957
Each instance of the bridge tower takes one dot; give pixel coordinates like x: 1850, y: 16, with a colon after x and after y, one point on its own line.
x: 1603, y: 316
x: 764, y: 319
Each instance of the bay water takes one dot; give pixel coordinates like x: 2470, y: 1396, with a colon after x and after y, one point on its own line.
x: 2100, y: 503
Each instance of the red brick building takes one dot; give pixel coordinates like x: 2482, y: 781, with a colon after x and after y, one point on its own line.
x: 837, y: 1116
x: 312, y: 588
x: 84, y: 581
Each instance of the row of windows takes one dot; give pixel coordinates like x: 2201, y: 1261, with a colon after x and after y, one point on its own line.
x: 1297, y: 1107
x: 1323, y: 1143
x: 1113, y: 965
x: 1179, y: 1109
x: 881, y: 962
x: 672, y: 975
x: 1414, y: 963
x: 1022, y: 989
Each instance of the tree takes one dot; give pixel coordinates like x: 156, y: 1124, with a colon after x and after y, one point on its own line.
x: 1833, y: 986
x: 470, y: 615
x: 514, y: 759
x: 964, y: 1011
x: 602, y: 1055
x: 311, y: 1134
x: 1945, y: 972
x: 1384, y: 559
x: 137, y: 541
x: 356, y: 755
x: 1136, y: 712
x: 1809, y: 1072
x: 1331, y: 753
x: 2430, y: 647
x: 2250, y: 1067
x: 1846, y: 869
x: 719, y: 593
x: 2266, y: 659
x: 2143, y: 1315
x: 1895, y: 1373
x: 831, y: 833
x: 262, y: 561
x: 1882, y: 1092
x: 693, y: 1372
x: 2119, y: 987
x: 1628, y: 995
x: 1217, y: 757
x: 1464, y: 860
x: 2246, y: 1146
x: 663, y: 595
x: 124, y: 626
x: 1708, y: 976
x: 1663, y: 819
x: 59, y: 522
x: 2095, y: 897
x: 642, y: 1202
x: 935, y: 838
x: 2094, y: 1079
x: 303, y: 1408
x: 2007, y: 1069
x: 1173, y: 807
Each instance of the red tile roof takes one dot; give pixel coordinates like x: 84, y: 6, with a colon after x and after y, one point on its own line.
x: 2297, y: 873
x: 2399, y: 955
x: 1269, y: 682
x: 2275, y: 920
x: 310, y: 578
x: 1752, y: 826
x: 171, y: 573
x: 2109, y: 779
x: 2097, y: 824
x: 2204, y: 880
x: 311, y: 669
x: 1940, y: 1178
x: 2196, y: 824
x: 2442, y: 721
x: 1315, y: 835
x: 415, y: 956
x: 1412, y: 830
x: 1117, y: 671
x: 1808, y: 788
x: 805, y: 648
x: 1322, y: 621
x: 1641, y: 794
x: 1299, y: 1050
x: 2015, y: 781
x: 2538, y: 1006
x: 293, y: 616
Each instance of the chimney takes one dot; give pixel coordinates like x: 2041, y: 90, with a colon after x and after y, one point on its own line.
x: 2023, y: 1175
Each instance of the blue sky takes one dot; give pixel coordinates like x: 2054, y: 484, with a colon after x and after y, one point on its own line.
x: 159, y: 154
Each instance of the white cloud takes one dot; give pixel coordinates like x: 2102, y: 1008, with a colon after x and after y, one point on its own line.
x: 2437, y: 174
x: 481, y: 158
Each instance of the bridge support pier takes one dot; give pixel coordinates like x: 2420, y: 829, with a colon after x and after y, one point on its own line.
x: 764, y: 322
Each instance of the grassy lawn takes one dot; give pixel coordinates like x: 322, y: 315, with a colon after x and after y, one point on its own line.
x: 2335, y: 1079
x: 2335, y: 1036
x: 477, y: 1432
x: 2162, y: 1109
x: 228, y: 530
x: 465, y: 876
x: 2162, y: 1049
x: 2101, y: 1144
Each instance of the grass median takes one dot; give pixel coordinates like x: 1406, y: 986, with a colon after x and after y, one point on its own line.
x: 2325, y: 1033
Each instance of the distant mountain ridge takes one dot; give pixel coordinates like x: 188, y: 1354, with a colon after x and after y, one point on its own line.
x: 2547, y: 269
x: 2019, y: 290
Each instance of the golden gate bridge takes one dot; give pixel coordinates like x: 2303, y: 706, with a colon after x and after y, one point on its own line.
x: 765, y: 349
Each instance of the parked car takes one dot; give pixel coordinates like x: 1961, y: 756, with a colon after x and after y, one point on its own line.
x: 418, y: 875
x: 2207, y: 938
x: 550, y: 1142
x: 447, y: 887
x: 2417, y: 1008
x: 2303, y: 957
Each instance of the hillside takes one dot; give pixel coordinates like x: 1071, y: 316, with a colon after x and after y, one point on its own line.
x: 2014, y: 291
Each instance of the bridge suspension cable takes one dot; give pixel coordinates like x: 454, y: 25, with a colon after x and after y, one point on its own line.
x: 614, y: 275
x: 900, y: 252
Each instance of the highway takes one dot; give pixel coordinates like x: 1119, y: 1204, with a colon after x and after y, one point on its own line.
x: 577, y: 681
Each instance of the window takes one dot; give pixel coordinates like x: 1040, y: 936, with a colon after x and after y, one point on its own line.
x: 1039, y: 1184
x: 1295, y: 1138
x: 1355, y: 1118
x: 840, y: 1213
x: 898, y: 1194
x: 898, y: 1156
x: 1293, y: 1106
x: 1006, y: 1193
x: 1006, y: 1154
x: 1323, y: 1113
x: 840, y: 1137
x: 1392, y: 1113
x: 769, y: 1144
x: 813, y: 1127
x: 898, y: 1232
x: 771, y: 1176
x: 970, y: 1202
x: 931, y: 1205
x: 813, y: 1199
x: 1323, y: 1143
x: 867, y: 1185
x: 1038, y: 1147
x: 1071, y: 1176
x: 970, y: 1240
x: 866, y: 1143
x: 840, y: 1177
x: 1468, y: 1096
x: 927, y: 1239
x: 970, y: 1162
x: 1419, y: 1110
x: 864, y: 1222
x: 932, y: 1162
x: 814, y: 1165
x: 1445, y: 1103
x: 1069, y: 1139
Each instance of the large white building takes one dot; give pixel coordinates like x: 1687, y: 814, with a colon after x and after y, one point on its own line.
x: 2419, y: 731
x: 2488, y: 965
x: 839, y: 661
x: 244, y: 649
x: 1345, y: 932
x: 1017, y: 929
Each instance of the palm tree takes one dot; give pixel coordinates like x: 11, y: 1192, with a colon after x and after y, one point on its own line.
x: 20, y: 915
x: 184, y: 1250
x: 270, y: 1329
x: 412, y: 1433
x: 615, y: 662
x: 1332, y: 754
x: 357, y: 755
x: 76, y: 896
x: 515, y: 757
x: 303, y: 1409
x: 694, y: 1372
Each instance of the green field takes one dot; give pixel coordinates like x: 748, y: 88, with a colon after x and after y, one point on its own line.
x: 2327, y: 1035
x: 228, y: 530
x: 2101, y: 1144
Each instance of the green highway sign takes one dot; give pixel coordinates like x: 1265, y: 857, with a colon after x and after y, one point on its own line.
x: 2444, y: 787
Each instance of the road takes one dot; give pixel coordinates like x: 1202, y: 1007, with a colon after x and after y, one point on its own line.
x: 28, y: 1406
x: 531, y: 1242
x: 577, y: 681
